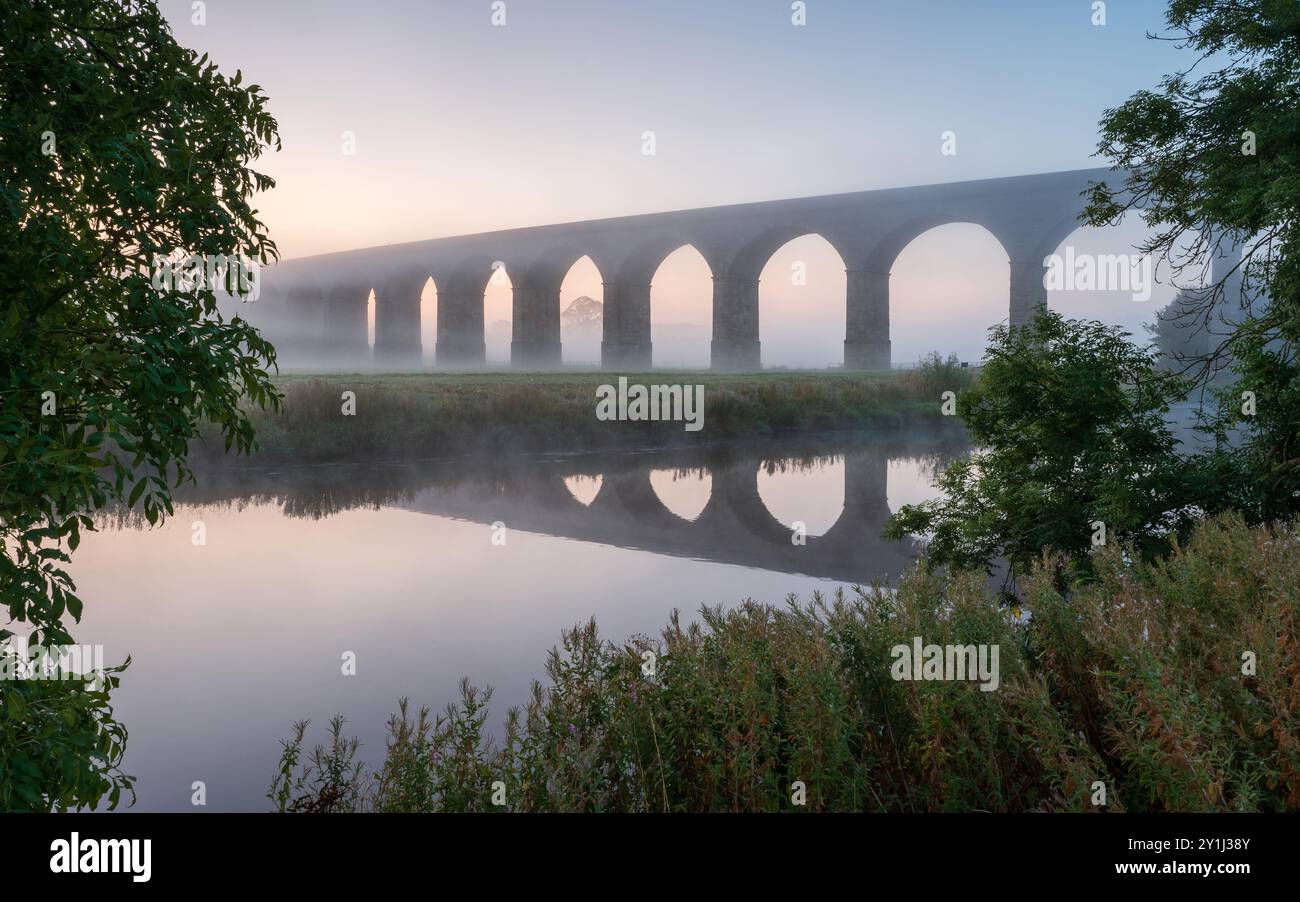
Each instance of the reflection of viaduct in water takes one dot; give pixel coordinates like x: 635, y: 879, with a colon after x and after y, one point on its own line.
x: 735, y: 526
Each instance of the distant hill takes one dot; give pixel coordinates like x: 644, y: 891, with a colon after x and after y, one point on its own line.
x: 584, y: 314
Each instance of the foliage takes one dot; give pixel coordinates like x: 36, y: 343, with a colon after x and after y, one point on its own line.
x: 328, y: 782
x: 106, y: 376
x: 62, y: 747
x: 1212, y: 160
x: 1185, y: 674
x: 118, y: 147
x: 1068, y: 420
x: 1135, y: 681
x: 937, y: 374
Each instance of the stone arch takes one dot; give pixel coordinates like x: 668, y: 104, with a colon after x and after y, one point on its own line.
x: 581, y: 300
x: 802, y: 302
x: 672, y: 486
x: 890, y: 245
x: 536, y: 338
x: 736, y: 509
x: 626, y: 330
x: 553, y: 264
x: 947, y: 286
x: 754, y: 254
x: 461, y: 323
x: 786, y: 485
x: 626, y: 494
x: 397, y: 318
x: 643, y: 260
x: 681, y: 308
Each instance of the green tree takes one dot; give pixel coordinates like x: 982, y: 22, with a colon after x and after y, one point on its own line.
x: 60, y: 745
x: 1068, y: 419
x: 1213, y: 163
x: 118, y: 147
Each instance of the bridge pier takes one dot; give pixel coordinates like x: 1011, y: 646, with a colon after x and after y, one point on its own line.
x: 345, y: 327
x: 397, y: 325
x: 866, y: 500
x: 856, y: 533
x: 460, y: 341
x: 1027, y: 290
x: 625, y: 341
x: 735, y: 346
x: 535, y: 336
x: 304, y: 306
x: 735, y: 508
x: 535, y: 355
x: 866, y: 484
x: 866, y: 341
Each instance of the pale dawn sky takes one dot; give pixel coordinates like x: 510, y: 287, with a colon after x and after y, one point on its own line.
x: 461, y: 125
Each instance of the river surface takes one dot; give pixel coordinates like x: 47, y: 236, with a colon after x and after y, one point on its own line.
x: 431, y: 571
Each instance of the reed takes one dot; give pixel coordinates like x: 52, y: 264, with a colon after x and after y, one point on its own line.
x: 430, y: 415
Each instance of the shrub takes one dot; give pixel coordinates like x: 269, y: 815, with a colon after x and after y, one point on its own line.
x: 1134, y: 680
x: 935, y: 375
x: 1070, y: 420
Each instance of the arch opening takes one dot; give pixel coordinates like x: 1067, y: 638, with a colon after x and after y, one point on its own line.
x: 582, y: 305
x: 910, y: 480
x: 498, y: 316
x: 947, y: 288
x: 370, y: 326
x: 584, y: 488
x: 685, y: 492
x: 428, y: 321
x: 801, y: 305
x: 681, y: 310
x: 803, y: 492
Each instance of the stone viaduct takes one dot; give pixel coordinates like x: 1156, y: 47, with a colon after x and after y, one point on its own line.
x: 318, y: 305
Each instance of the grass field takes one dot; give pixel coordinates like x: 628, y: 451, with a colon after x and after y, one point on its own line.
x: 406, y: 415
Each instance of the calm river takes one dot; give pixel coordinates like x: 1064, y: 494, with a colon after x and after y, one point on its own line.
x: 433, y: 571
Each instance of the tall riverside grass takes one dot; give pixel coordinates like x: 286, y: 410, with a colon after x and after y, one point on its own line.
x: 1134, y: 681
x: 428, y: 415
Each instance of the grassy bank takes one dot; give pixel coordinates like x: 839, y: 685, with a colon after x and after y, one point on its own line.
x: 1137, y: 683
x: 428, y: 415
